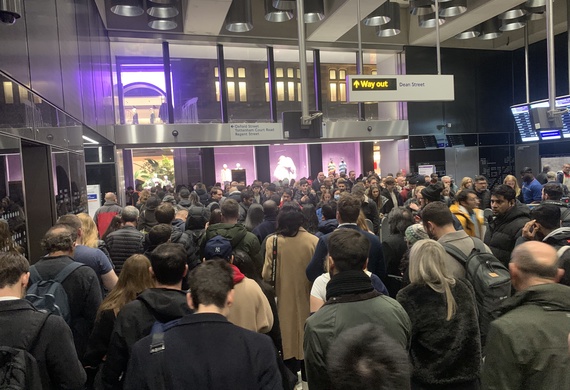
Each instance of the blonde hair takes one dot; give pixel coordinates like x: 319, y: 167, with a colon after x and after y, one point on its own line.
x: 427, y: 268
x: 361, y: 222
x: 464, y: 181
x: 90, y: 233
x: 516, y: 188
x: 135, y: 277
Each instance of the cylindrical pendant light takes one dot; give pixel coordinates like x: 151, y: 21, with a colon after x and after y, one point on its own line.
x: 273, y: 14
x: 239, y: 17
x: 162, y: 12
x: 379, y: 16
x: 421, y: 7
x: 490, y: 29
x: 391, y: 28
x: 453, y: 8
x: 314, y: 11
x: 473, y: 32
x: 127, y: 7
x: 513, y: 24
x: 429, y: 20
x: 512, y: 13
x: 162, y: 24
x: 285, y: 5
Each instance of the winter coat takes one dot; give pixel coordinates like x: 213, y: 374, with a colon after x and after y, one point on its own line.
x: 503, y: 231
x: 124, y: 243
x: 292, y: 287
x: 442, y: 352
x: 389, y: 205
x: 134, y: 322
x: 393, y: 248
x: 327, y: 226
x: 484, y: 199
x: 527, y: 346
x: 147, y: 220
x: 466, y: 222
x: 370, y: 210
x: 564, y: 211
x: 265, y: 228
x: 203, y: 195
x: 104, y: 215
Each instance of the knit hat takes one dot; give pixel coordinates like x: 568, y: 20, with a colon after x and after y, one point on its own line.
x: 152, y: 203
x: 432, y: 192
x: 184, y: 193
x: 218, y: 247
x: 169, y: 199
x: 415, y: 232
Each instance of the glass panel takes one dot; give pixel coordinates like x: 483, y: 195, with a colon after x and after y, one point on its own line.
x: 342, y: 74
x: 235, y: 163
x: 78, y: 184
x: 279, y: 72
x: 231, y: 91
x: 290, y: 73
x: 216, y: 72
x: 288, y: 161
x: 335, y: 65
x: 267, y: 92
x: 291, y: 91
x: 8, y: 92
x: 241, y: 73
x: 60, y: 162
x: 280, y: 91
x: 16, y: 117
x: 349, y: 152
x: 289, y: 59
x: 332, y: 74
x: 332, y: 92
x: 230, y: 72
x: 242, y: 91
x: 153, y: 167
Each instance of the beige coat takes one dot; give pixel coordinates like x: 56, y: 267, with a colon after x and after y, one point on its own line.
x: 292, y: 287
x: 251, y: 309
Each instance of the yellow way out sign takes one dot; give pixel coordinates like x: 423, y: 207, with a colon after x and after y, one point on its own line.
x: 395, y: 88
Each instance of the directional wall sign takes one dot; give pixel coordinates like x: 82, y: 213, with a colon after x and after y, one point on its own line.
x: 256, y: 131
x: 400, y: 88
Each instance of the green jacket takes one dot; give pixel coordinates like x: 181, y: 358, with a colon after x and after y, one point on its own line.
x: 239, y: 237
x: 324, y: 326
x: 527, y: 346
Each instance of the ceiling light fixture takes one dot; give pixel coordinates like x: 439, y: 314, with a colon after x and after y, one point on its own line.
x: 239, y: 17
x: 273, y: 14
x: 10, y: 10
x: 429, y: 20
x: 392, y: 28
x: 535, y: 3
x: 535, y: 13
x: 128, y: 8
x: 512, y: 13
x: 490, y: 29
x: 314, y: 11
x: 421, y: 7
x: 162, y: 24
x: 473, y: 32
x: 285, y: 5
x: 379, y: 16
x: 162, y: 12
x: 513, y: 24
x: 452, y: 8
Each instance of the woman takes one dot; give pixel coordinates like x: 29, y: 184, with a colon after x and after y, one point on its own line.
x: 254, y: 217
x: 145, y: 194
x: 311, y: 223
x: 91, y: 234
x: 394, y: 246
x: 466, y: 184
x: 135, y: 277
x: 445, y: 346
x: 512, y: 182
x: 294, y: 249
x: 374, y: 192
x: 7, y: 243
x: 116, y: 224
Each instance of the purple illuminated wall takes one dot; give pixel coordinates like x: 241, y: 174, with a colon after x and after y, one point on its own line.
x: 244, y: 155
x: 349, y: 151
x: 281, y: 157
x: 14, y: 167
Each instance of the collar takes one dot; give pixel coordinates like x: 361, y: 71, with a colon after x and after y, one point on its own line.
x: 347, y: 283
x: 348, y: 225
x: 9, y: 298
x: 203, y: 317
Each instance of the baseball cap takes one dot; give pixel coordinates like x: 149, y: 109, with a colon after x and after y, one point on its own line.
x: 218, y: 247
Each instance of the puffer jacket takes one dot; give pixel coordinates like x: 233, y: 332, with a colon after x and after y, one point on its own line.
x: 527, y: 345
x: 203, y: 195
x: 122, y: 244
x: 465, y: 219
x: 503, y: 231
x: 564, y: 211
x: 239, y: 237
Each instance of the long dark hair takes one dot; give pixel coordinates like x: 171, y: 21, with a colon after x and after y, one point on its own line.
x: 311, y: 223
x: 289, y: 219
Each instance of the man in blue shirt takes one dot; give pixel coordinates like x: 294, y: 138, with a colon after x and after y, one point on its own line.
x: 531, y: 189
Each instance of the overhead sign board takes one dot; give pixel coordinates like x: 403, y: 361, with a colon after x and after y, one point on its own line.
x: 400, y: 88
x: 256, y: 131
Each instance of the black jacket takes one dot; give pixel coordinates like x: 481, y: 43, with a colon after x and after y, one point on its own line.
x: 206, y: 351
x: 389, y: 205
x: 124, y: 243
x: 83, y: 294
x: 503, y: 231
x: 53, y: 347
x: 265, y: 228
x: 564, y: 211
x: 370, y: 210
x: 484, y: 199
x: 134, y: 322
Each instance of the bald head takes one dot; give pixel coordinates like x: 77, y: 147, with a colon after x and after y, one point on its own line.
x: 110, y: 197
x: 532, y: 263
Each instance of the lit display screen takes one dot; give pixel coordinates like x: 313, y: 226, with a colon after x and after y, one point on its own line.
x: 521, y: 114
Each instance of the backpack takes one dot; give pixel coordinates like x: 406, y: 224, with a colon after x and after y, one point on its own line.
x: 18, y: 368
x: 49, y: 296
x: 489, y: 277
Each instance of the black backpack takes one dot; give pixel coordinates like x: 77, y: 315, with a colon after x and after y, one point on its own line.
x: 18, y: 368
x: 489, y: 277
x: 49, y: 296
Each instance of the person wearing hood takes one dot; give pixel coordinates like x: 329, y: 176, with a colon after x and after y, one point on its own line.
x: 164, y: 303
x: 552, y: 194
x: 329, y: 222
x: 147, y: 219
x: 184, y: 201
x: 251, y: 309
x: 238, y: 235
x: 201, y: 191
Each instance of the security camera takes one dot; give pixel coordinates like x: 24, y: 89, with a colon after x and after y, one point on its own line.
x: 10, y: 10
x: 175, y: 133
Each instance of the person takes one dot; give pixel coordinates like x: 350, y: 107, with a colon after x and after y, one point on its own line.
x: 116, y: 224
x: 81, y: 286
x: 329, y: 222
x: 7, y: 242
x: 541, y: 177
x: 348, y: 210
x: 374, y: 195
x: 105, y: 213
x: 134, y: 279
x: 90, y: 233
x: 552, y: 194
x: 126, y: 241
x: 251, y: 309
x: 204, y: 350
x: 46, y: 337
x: 147, y: 217
x: 235, y: 232
x: 294, y: 247
x: 351, y: 301
x: 392, y: 196
x: 512, y: 182
x: 318, y: 182
x: 531, y: 189
x: 466, y: 209
x: 305, y: 195
x: 364, y: 357
x: 369, y: 208
x: 482, y: 192
x: 445, y: 346
x: 254, y: 217
x: 394, y: 246
x: 527, y: 345
x: 132, y: 197
x: 506, y: 224
x: 246, y: 200
x: 563, y: 177
x: 163, y: 303
x: 269, y: 223
x: 92, y: 257
x: 438, y: 224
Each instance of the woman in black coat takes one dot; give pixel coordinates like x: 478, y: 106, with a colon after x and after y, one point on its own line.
x: 445, y: 345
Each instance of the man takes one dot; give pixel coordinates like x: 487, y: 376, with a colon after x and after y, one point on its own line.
x: 482, y: 192
x: 246, y: 201
x: 304, y: 195
x: 347, y: 212
x: 238, y: 235
x: 542, y: 176
x: 105, y: 213
x: 184, y: 202
x: 318, y: 182
x: 438, y: 224
x: 81, y: 286
x: 256, y: 189
x: 465, y: 208
x: 216, y: 195
x: 46, y: 337
x: 205, y: 350
x: 527, y: 345
x: 552, y: 194
x: 132, y: 196
x: 269, y: 223
x: 351, y: 180
x: 369, y: 207
x: 341, y: 185
x: 329, y: 222
x: 251, y: 309
x: 164, y: 303
x: 390, y: 193
x: 271, y: 193
x: 531, y: 188
x: 364, y: 357
x: 564, y: 176
x: 126, y: 241
x: 351, y: 301
x: 506, y: 224
x: 92, y: 257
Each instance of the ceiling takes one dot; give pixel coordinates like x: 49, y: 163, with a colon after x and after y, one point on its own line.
x: 201, y: 22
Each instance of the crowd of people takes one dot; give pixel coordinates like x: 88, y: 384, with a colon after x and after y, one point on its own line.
x: 340, y: 282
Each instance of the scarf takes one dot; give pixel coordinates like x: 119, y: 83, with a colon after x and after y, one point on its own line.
x: 349, y: 282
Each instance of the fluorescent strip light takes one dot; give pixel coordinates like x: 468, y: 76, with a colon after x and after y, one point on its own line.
x: 90, y: 140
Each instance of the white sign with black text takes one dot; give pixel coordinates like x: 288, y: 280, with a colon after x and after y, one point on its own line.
x: 256, y: 131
